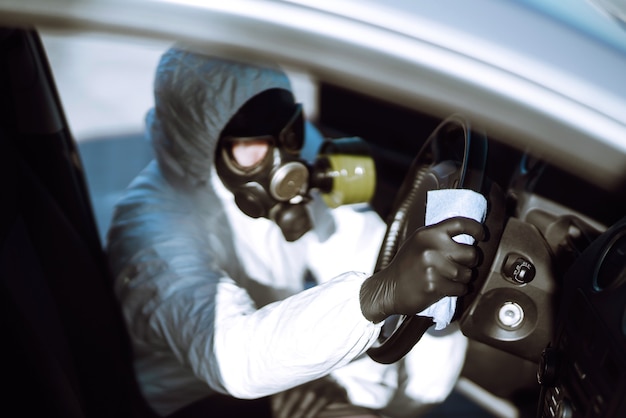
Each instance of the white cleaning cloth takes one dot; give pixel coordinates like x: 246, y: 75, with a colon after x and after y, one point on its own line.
x: 441, y: 205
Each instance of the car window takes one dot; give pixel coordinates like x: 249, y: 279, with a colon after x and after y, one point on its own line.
x: 600, y: 19
x: 105, y: 85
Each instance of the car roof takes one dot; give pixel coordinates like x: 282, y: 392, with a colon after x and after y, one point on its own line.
x: 546, y: 84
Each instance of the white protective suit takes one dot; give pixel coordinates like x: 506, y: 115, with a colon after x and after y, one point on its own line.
x: 214, y: 299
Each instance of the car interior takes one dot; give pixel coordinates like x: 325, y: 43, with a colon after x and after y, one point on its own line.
x: 546, y: 316
x: 569, y: 229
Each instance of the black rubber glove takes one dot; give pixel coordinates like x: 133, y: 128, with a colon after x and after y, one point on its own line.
x: 428, y: 266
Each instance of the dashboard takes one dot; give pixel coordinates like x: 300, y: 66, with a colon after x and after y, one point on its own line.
x: 549, y: 305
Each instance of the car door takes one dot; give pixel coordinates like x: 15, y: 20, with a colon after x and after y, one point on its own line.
x: 65, y: 347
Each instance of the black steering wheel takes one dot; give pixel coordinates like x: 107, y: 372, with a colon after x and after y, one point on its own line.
x: 452, y: 157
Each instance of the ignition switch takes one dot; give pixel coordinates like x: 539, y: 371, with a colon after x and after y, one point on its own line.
x: 510, y: 315
x: 519, y: 269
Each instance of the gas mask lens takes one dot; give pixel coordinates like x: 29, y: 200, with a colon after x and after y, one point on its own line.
x: 248, y: 153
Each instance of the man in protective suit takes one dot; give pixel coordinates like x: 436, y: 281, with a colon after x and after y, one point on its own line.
x: 210, y: 249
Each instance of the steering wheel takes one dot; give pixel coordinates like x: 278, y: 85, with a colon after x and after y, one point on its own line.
x: 451, y: 158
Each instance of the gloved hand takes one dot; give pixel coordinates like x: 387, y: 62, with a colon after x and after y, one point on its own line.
x: 428, y: 266
x: 308, y: 400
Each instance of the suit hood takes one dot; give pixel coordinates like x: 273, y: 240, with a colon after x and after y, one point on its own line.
x: 195, y: 97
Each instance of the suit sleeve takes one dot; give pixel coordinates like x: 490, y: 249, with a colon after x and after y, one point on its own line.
x: 175, y: 298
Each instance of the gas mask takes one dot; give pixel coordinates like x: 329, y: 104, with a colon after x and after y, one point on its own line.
x: 278, y: 184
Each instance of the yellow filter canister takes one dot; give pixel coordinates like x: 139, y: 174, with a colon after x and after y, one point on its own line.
x: 353, y: 178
